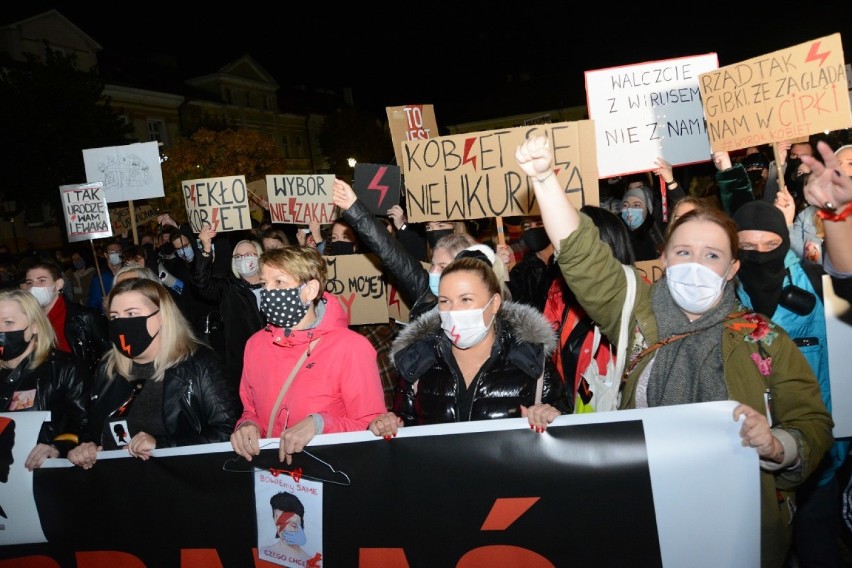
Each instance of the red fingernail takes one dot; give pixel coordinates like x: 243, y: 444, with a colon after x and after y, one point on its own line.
x: 532, y: 426
x: 394, y: 434
x: 387, y: 437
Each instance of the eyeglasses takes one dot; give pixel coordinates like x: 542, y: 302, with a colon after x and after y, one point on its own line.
x: 239, y: 256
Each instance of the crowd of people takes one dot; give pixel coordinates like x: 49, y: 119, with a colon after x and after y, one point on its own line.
x: 186, y: 338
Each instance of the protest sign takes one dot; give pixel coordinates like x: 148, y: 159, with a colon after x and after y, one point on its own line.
x: 300, y: 199
x: 377, y: 186
x: 220, y: 202
x: 648, y: 111
x: 475, y: 175
x: 127, y: 172
x: 410, y: 122
x: 359, y: 284
x: 780, y: 96
x: 121, y: 221
x: 85, y: 209
x: 652, y: 270
x: 838, y: 327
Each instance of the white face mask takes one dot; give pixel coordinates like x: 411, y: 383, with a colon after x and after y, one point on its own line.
x: 246, y: 266
x: 44, y: 294
x: 694, y: 287
x: 465, y: 328
x: 434, y: 280
x: 114, y: 258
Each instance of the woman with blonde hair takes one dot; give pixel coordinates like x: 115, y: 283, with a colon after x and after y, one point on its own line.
x: 158, y: 382
x: 37, y: 376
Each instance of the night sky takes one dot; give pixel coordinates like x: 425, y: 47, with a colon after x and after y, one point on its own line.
x: 457, y: 58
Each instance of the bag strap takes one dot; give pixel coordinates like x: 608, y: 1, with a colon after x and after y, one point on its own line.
x: 293, y: 372
x: 539, y: 384
x: 626, y: 312
x: 668, y: 340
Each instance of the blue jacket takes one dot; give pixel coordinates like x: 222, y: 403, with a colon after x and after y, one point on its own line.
x: 799, y: 328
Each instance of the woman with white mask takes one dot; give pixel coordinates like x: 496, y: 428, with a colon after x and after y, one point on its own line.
x: 692, y: 341
x: 237, y: 296
x: 477, y: 357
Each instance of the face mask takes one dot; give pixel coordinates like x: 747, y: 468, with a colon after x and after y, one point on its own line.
x: 341, y: 247
x: 130, y: 335
x: 283, y: 308
x: 755, y: 176
x: 535, y: 239
x: 432, y: 237
x: 186, y: 253
x: 114, y: 258
x: 693, y: 286
x: 434, y: 280
x: 465, y: 327
x: 12, y: 344
x: 295, y: 538
x: 44, y: 294
x: 247, y: 265
x: 79, y: 264
x: 633, y: 217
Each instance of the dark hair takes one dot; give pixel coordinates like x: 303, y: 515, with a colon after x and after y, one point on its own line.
x: 52, y: 267
x: 613, y: 232
x: 135, y: 251
x: 288, y: 503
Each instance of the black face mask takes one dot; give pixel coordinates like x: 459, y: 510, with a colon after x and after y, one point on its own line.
x: 432, y: 237
x: 535, y: 239
x: 755, y: 176
x: 130, y: 335
x: 795, y: 183
x: 12, y: 344
x: 336, y: 248
x: 762, y: 275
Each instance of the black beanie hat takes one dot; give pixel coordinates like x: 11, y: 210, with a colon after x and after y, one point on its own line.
x: 763, y: 216
x: 756, y: 160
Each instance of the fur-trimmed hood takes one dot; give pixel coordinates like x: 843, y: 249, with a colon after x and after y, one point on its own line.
x: 524, y: 335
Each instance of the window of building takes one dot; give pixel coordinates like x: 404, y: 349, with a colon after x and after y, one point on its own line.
x: 300, y: 148
x: 248, y: 99
x: 157, y: 131
x: 227, y: 95
x: 285, y: 146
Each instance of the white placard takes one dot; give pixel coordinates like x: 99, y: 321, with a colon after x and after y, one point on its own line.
x: 128, y: 172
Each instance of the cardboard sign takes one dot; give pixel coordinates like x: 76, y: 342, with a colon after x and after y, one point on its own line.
x: 410, y: 122
x: 257, y: 195
x: 85, y: 209
x: 300, y: 199
x: 377, y: 186
x: 652, y: 270
x: 120, y: 216
x: 127, y: 172
x: 649, y: 111
x: 475, y: 175
x: 221, y: 203
x: 359, y: 284
x: 783, y: 95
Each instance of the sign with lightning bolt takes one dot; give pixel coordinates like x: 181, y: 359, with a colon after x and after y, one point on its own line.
x: 377, y: 186
x: 219, y: 202
x: 475, y: 175
x: 780, y: 96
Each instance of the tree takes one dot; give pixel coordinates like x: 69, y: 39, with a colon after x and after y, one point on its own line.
x: 49, y: 113
x: 208, y: 154
x: 352, y: 133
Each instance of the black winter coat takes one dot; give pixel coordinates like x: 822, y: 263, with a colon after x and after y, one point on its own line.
x: 199, y: 407
x: 238, y: 308
x: 86, y: 332
x: 406, y: 272
x: 507, y: 380
x: 60, y: 384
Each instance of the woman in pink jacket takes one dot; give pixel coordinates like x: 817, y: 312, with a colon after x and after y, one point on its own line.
x: 306, y: 372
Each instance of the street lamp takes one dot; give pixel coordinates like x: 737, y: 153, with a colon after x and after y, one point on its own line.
x: 352, y: 162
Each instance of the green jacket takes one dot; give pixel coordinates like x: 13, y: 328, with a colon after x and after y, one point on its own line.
x: 596, y: 278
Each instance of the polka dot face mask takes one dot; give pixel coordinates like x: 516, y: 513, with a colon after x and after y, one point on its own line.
x: 283, y: 307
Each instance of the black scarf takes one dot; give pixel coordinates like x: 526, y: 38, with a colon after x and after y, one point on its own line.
x: 691, y: 369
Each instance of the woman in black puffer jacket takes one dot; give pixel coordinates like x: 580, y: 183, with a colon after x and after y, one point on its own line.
x: 477, y: 357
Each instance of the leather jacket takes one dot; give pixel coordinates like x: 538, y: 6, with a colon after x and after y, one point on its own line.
x: 406, y: 272
x: 521, y: 353
x: 60, y: 385
x: 86, y: 332
x: 198, y: 405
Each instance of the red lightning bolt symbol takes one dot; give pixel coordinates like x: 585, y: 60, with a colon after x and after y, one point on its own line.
x: 456, y: 336
x: 374, y: 184
x: 215, y: 219
x: 393, y: 299
x: 468, y: 144
x: 124, y: 346
x: 192, y: 193
x: 813, y: 55
x: 314, y: 562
